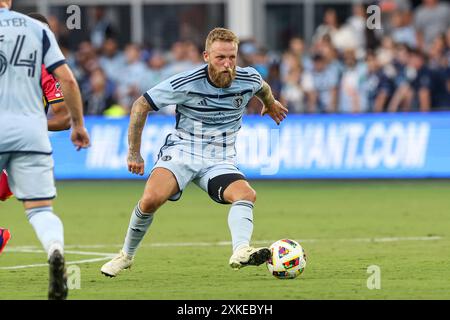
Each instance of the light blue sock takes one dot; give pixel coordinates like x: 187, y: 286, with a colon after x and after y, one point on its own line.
x: 240, y: 222
x: 48, y: 227
x: 139, y: 224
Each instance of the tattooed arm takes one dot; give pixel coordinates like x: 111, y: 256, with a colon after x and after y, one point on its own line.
x: 271, y: 106
x: 265, y: 95
x: 138, y: 116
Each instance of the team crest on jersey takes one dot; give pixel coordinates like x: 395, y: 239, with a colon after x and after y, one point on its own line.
x: 237, y: 101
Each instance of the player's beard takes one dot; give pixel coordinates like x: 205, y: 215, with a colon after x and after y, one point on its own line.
x: 222, y: 79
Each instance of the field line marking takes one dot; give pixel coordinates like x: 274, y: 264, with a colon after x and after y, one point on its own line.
x: 107, y: 256
x: 81, y: 253
x: 226, y: 243
x: 46, y: 264
x: 394, y: 239
x: 103, y: 256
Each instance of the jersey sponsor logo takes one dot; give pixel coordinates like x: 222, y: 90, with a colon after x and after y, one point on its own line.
x: 218, y: 118
x: 166, y: 158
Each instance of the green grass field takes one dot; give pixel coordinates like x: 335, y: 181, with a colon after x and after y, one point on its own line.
x: 401, y: 226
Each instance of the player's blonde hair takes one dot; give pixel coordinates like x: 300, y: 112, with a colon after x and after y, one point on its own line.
x: 220, y: 34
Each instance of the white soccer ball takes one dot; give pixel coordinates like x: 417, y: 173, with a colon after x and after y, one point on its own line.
x: 288, y: 259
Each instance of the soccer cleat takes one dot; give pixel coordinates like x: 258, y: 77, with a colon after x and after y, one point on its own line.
x: 57, y: 287
x: 5, y: 235
x: 120, y: 262
x: 249, y: 256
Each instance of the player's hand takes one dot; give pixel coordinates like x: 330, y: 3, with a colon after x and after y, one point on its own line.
x: 80, y: 138
x: 276, y: 111
x: 135, y: 163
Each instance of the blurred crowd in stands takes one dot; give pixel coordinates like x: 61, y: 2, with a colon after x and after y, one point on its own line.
x: 403, y: 65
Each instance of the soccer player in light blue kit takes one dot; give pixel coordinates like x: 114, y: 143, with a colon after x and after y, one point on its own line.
x: 211, y: 100
x: 25, y: 150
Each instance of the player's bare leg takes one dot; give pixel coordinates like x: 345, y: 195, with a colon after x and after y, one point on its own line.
x: 240, y: 221
x: 159, y: 188
x: 49, y: 230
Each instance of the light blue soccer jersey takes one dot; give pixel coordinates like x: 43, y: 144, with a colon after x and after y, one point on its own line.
x: 25, y: 44
x: 205, y: 114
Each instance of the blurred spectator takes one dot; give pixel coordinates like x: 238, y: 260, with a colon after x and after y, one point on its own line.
x: 292, y: 93
x: 402, y: 29
x: 447, y: 43
x: 414, y: 94
x: 385, y: 53
x: 398, y: 72
x: 400, y: 62
x: 61, y: 33
x: 70, y: 57
x: 352, y: 97
x: 274, y: 80
x: 420, y: 84
x: 379, y: 86
x: 297, y: 48
x: 102, y: 28
x: 392, y: 5
x: 329, y: 26
x: 178, y: 60
x: 155, y: 71
x: 100, y: 95
x: 288, y: 61
x: 431, y: 19
x: 111, y: 59
x: 388, y: 7
x: 131, y: 75
x: 436, y: 52
x: 86, y: 61
x: 439, y: 65
x: 357, y: 26
x: 320, y: 86
x: 440, y: 91
x: 194, y: 54
x: 331, y: 56
x: 260, y: 62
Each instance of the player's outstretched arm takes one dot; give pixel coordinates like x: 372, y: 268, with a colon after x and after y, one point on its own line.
x: 138, y: 117
x: 59, y: 118
x: 271, y: 106
x: 72, y: 97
